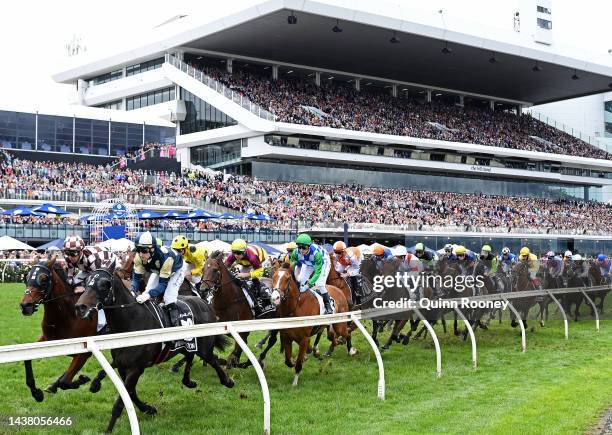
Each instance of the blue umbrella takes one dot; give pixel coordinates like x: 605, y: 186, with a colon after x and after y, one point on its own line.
x: 227, y: 215
x: 198, y: 214
x: 50, y: 208
x: 172, y: 215
x: 269, y: 249
x: 259, y: 217
x: 21, y: 211
x: 57, y: 243
x: 147, y: 214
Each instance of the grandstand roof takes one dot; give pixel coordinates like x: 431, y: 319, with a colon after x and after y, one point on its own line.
x: 363, y: 48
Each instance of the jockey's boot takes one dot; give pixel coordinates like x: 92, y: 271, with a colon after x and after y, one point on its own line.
x: 327, y: 303
x: 254, y: 292
x: 173, y: 313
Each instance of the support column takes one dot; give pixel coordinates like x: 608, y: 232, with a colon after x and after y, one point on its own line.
x: 492, y: 105
x: 428, y: 98
x: 318, y: 78
x: 394, y: 90
x: 274, y: 72
x: 357, y: 84
x: 519, y: 109
x: 230, y: 65
x: 461, y: 101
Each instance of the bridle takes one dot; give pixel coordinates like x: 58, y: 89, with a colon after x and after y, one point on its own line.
x: 217, y: 284
x: 45, y: 288
x: 286, y: 294
x: 108, y: 300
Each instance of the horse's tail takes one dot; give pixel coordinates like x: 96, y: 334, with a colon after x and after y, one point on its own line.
x: 221, y: 342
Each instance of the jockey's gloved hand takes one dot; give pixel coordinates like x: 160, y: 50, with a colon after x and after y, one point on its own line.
x: 304, y: 287
x: 141, y: 299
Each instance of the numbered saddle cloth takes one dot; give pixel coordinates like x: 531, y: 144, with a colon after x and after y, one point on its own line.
x: 332, y: 302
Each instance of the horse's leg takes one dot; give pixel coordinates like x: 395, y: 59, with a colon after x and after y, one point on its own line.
x: 131, y: 380
x: 118, y: 406
x: 187, y: 372
x: 347, y: 334
x: 177, y: 365
x: 542, y: 305
x: 393, y: 337
x: 37, y: 393
x: 443, y: 324
x: 263, y: 341
x: 300, y: 359
x: 333, y: 338
x: 271, y: 342
x: 287, y: 346
x: 375, y: 331
x: 208, y: 355
x: 96, y: 384
x: 234, y: 357
x: 64, y: 382
x: 455, y: 324
x: 501, y: 313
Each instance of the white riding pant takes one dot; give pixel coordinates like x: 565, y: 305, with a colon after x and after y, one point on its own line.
x: 172, y: 289
x: 304, y: 272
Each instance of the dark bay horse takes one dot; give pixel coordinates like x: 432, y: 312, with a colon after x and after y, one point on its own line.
x: 46, y: 285
x: 229, y: 303
x: 572, y: 272
x: 292, y: 303
x: 105, y: 289
x: 597, y: 279
x: 521, y: 281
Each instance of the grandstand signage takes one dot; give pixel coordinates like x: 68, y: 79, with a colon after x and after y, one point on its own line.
x: 477, y: 168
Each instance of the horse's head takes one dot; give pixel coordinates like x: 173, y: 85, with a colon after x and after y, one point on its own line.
x: 212, y: 275
x: 99, y: 292
x: 39, y: 287
x: 282, y: 284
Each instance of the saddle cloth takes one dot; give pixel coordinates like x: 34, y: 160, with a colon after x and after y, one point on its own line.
x: 267, y: 306
x: 185, y: 319
x: 332, y: 302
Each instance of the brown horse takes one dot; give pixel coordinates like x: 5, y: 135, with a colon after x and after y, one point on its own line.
x: 47, y: 285
x: 597, y: 279
x: 292, y: 303
x: 229, y: 302
x: 334, y: 278
x: 521, y: 281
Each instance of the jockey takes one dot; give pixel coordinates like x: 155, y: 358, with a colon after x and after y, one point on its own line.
x: 167, y: 273
x: 347, y: 264
x: 465, y: 258
x: 312, y: 266
x: 448, y: 250
x: 581, y: 268
x: 250, y: 260
x: 525, y: 255
x: 567, y: 257
x: 194, y: 257
x: 489, y: 260
x: 81, y: 261
x: 604, y: 264
x: 428, y: 258
x: 506, y: 259
x: 291, y: 246
x: 554, y: 267
x: 382, y: 254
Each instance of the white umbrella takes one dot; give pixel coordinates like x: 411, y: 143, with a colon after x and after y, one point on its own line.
x: 118, y: 245
x: 365, y: 249
x: 7, y: 243
x: 398, y: 250
x: 217, y: 245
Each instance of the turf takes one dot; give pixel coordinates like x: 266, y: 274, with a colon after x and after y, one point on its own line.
x: 557, y: 386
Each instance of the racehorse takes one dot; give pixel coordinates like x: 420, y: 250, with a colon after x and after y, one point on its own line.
x: 597, y: 279
x: 521, y: 281
x: 105, y: 289
x: 293, y: 303
x: 569, y: 299
x: 334, y: 278
x: 46, y: 285
x: 229, y: 303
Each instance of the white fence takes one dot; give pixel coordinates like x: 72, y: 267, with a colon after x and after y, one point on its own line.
x: 29, y: 351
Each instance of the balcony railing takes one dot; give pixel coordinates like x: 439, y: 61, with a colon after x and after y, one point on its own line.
x: 236, y: 97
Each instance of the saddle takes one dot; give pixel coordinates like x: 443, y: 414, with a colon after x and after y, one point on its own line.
x: 332, y: 302
x: 186, y: 318
x: 259, y: 299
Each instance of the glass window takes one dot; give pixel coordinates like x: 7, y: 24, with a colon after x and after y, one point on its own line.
x: 63, y: 134
x: 134, y: 137
x: 26, y: 131
x: 118, y: 138
x: 207, y: 155
x: 202, y: 116
x: 99, y: 137
x: 544, y: 24
x: 83, y: 143
x: 544, y: 10
x: 158, y: 97
x: 8, y: 129
x: 46, y: 133
x: 129, y: 104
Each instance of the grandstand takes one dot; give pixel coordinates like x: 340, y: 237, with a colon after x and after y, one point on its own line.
x: 394, y: 102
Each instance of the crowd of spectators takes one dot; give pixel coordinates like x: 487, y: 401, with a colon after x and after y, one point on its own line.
x: 341, y: 106
x: 288, y: 202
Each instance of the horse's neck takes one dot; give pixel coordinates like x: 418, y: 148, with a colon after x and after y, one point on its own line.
x: 229, y: 293
x: 60, y: 310
x: 132, y: 317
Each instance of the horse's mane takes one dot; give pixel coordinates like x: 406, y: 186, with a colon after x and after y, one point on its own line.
x: 216, y: 255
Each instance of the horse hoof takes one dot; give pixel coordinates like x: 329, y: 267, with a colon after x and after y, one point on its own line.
x: 259, y: 345
x: 261, y: 363
x: 229, y: 383
x: 149, y: 410
x: 190, y: 383
x: 341, y: 340
x: 83, y: 379
x: 38, y: 395
x: 289, y: 364
x: 95, y: 386
x: 405, y: 340
x: 51, y: 389
x: 295, y: 380
x: 353, y: 351
x: 484, y: 326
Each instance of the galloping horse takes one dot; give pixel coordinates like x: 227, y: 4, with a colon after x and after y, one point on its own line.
x: 292, y: 303
x: 47, y: 285
x: 105, y: 289
x: 334, y: 278
x: 521, y: 281
x: 597, y: 279
x: 229, y: 302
